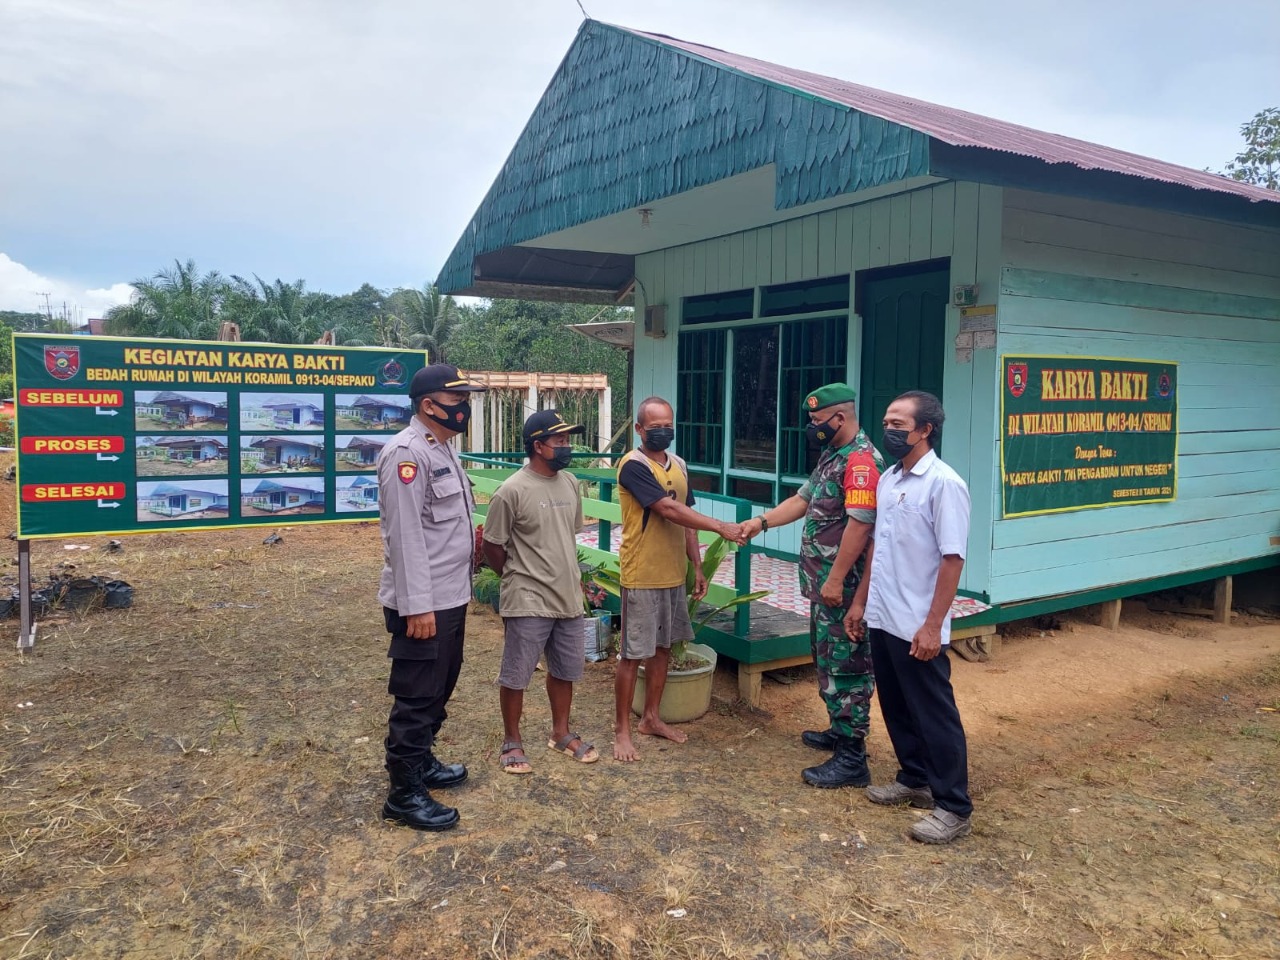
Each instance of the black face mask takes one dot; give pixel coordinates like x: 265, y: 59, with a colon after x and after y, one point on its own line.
x: 457, y: 415
x: 559, y: 459
x: 896, y: 444
x: 821, y: 434
x: 658, y: 439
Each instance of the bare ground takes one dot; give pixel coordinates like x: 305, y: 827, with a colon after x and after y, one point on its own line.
x: 201, y: 775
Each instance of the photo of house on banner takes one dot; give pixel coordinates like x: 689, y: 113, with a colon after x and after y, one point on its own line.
x: 357, y: 494
x: 194, y: 499
x: 274, y: 411
x: 287, y: 497
x: 181, y: 456
x: 358, y: 452
x: 281, y: 454
x: 371, y: 411
x: 168, y: 410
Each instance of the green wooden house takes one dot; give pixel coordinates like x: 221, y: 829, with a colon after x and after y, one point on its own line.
x: 776, y: 230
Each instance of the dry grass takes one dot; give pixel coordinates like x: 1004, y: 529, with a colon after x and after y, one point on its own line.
x: 201, y: 776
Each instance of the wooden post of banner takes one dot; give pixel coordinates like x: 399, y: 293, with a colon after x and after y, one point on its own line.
x: 229, y: 331
x: 26, y: 626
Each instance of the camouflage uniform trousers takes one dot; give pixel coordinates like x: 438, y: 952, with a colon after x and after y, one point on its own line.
x: 844, y: 671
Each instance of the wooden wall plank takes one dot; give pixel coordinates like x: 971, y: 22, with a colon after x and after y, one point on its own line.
x: 1041, y: 256
x: 900, y: 228
x: 1132, y: 240
x: 750, y: 266
x: 964, y: 253
x: 921, y: 238
x: 698, y: 252
x: 860, y: 241
x: 808, y: 248
x: 879, y: 245
x: 1235, y: 516
x: 826, y: 241
x: 942, y: 221
x: 1155, y: 221
x: 795, y: 251
x: 1030, y: 584
x: 733, y: 275
x: 844, y: 240
x: 1057, y: 529
x: 778, y: 265
x: 1084, y: 288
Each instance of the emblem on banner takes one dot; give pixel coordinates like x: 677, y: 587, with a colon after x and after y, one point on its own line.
x: 1164, y: 386
x: 1017, y: 379
x: 391, y: 374
x: 63, y: 363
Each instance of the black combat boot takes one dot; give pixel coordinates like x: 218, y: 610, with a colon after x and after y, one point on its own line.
x: 846, y: 768
x: 819, y: 739
x: 409, y: 804
x: 437, y: 775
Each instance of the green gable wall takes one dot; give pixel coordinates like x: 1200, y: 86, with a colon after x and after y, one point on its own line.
x: 626, y: 121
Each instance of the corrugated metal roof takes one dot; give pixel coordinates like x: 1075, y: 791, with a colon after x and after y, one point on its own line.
x: 961, y: 128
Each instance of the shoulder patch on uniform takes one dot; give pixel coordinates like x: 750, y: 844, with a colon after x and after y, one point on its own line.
x: 408, y: 471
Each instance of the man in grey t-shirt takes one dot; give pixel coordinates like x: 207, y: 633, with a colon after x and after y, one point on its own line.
x: 530, y: 540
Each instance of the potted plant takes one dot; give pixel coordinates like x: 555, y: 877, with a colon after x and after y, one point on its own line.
x: 691, y: 671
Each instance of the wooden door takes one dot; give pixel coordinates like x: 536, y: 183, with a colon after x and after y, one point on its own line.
x: 903, y: 343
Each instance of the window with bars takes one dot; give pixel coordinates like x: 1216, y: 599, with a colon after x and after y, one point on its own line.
x: 813, y: 354
x: 775, y: 365
x: 700, y: 396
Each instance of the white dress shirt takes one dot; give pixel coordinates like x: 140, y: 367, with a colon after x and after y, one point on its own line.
x: 922, y: 515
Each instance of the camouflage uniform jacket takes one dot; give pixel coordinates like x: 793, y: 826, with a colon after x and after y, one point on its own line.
x: 841, y: 487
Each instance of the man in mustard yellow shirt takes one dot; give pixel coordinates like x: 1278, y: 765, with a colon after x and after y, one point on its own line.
x: 659, y: 540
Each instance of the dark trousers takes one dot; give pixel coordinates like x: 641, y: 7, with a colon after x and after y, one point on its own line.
x: 423, y: 675
x: 919, y: 710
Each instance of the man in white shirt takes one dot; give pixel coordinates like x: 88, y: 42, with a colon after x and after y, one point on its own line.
x: 913, y: 569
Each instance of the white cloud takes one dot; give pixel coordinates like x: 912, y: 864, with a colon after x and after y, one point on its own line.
x: 21, y: 288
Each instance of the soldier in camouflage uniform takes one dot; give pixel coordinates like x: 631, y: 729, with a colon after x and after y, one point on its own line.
x: 838, y: 504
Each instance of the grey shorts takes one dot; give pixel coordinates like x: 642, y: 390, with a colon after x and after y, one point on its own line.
x: 653, y: 618
x: 525, y: 639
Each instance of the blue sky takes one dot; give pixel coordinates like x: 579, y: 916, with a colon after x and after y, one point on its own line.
x: 343, y: 142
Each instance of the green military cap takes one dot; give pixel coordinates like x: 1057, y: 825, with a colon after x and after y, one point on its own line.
x: 827, y: 396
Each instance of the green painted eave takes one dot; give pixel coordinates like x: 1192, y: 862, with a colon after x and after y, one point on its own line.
x: 628, y: 120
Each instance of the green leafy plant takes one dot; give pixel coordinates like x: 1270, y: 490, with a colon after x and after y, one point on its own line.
x: 593, y: 593
x: 486, y: 585
x: 712, y: 557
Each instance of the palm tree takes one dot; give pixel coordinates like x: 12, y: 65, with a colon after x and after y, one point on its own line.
x: 177, y: 302
x: 425, y: 319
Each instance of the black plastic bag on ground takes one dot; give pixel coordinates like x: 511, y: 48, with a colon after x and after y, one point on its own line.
x: 83, y: 593
x: 119, y: 595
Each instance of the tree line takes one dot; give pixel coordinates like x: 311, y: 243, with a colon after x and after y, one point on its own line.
x: 181, y: 302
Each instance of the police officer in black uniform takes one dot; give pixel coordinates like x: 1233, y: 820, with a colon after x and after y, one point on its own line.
x: 428, y: 549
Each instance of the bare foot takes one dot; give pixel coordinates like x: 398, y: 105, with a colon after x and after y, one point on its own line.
x: 656, y: 728
x: 624, y: 751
